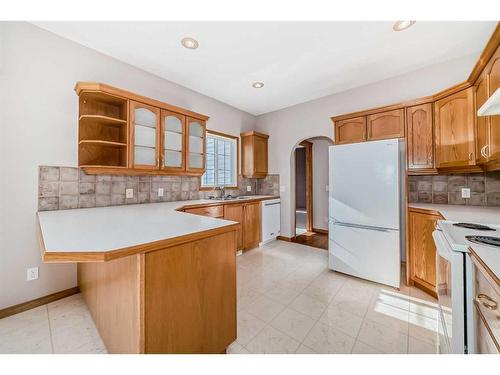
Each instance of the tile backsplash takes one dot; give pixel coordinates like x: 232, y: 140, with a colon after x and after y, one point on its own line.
x: 446, y: 189
x: 61, y: 188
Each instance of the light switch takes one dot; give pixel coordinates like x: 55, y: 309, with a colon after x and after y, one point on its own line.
x: 465, y: 193
x: 32, y: 274
x: 160, y: 192
x: 129, y: 193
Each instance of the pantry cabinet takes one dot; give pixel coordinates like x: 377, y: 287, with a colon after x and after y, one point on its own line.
x: 421, y: 250
x: 124, y: 133
x: 420, y: 138
x: 454, y: 130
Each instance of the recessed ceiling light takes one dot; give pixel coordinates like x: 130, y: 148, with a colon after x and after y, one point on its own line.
x: 189, y: 43
x: 258, y: 85
x: 402, y: 25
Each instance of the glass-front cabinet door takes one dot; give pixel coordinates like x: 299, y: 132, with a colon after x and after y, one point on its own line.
x: 173, y: 142
x: 195, y: 157
x: 145, y: 126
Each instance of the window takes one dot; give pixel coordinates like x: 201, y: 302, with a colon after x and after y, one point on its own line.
x: 222, y: 161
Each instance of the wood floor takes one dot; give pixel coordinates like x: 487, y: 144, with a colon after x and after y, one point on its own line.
x: 318, y: 240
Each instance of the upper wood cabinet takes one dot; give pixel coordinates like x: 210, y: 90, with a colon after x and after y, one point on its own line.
x: 350, y: 131
x: 128, y: 134
x: 173, y: 141
x: 482, y: 122
x: 454, y: 130
x: 145, y: 136
x: 195, y: 145
x: 422, y: 250
x: 254, y: 154
x: 385, y: 125
x: 420, y: 137
x: 493, y: 77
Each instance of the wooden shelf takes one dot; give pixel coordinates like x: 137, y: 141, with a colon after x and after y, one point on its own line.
x: 102, y: 143
x: 101, y: 120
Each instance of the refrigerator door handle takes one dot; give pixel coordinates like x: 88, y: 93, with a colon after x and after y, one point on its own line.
x: 380, y: 229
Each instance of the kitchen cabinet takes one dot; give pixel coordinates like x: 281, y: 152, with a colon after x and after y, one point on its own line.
x: 124, y: 133
x: 251, y: 225
x: 350, y: 131
x: 486, y: 312
x: 212, y: 211
x: 234, y: 212
x: 454, y: 130
x: 386, y: 125
x: 420, y: 138
x: 482, y: 122
x: 493, y: 70
x: 254, y: 154
x: 421, y: 250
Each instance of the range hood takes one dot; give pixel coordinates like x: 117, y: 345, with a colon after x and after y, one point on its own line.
x: 491, y: 106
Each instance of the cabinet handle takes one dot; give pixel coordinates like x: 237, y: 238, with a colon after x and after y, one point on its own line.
x: 490, y: 303
x: 483, y: 152
x: 470, y: 156
x: 487, y: 151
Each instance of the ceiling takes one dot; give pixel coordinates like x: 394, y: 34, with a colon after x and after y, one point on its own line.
x: 297, y: 61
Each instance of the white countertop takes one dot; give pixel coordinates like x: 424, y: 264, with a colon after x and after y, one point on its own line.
x: 470, y: 214
x: 104, y: 229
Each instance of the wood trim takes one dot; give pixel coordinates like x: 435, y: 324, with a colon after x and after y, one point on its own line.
x: 124, y: 94
x: 318, y: 230
x: 255, y: 133
x: 426, y: 211
x: 25, y: 306
x: 124, y: 171
x: 486, y: 55
x: 309, y: 184
x: 426, y: 287
x: 238, y: 167
x: 284, y: 238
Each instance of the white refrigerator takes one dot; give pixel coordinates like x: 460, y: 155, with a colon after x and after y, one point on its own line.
x: 366, y: 210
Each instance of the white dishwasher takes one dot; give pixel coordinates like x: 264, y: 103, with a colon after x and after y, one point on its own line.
x: 271, y: 220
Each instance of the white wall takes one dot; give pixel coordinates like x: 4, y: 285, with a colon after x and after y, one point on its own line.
x: 38, y: 123
x: 289, y: 126
x: 320, y: 181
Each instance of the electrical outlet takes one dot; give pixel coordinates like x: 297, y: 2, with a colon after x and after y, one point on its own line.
x: 129, y: 193
x: 249, y: 188
x: 465, y: 193
x: 32, y: 274
x: 160, y: 192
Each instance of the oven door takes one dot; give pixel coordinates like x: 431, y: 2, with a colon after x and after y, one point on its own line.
x: 443, y: 288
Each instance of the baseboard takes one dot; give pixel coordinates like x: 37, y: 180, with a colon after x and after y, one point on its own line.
x: 283, y: 238
x: 16, y: 309
x: 323, y: 231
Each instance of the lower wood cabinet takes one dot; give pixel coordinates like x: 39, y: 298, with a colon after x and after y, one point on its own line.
x: 251, y: 225
x: 248, y: 215
x: 421, y: 250
x: 234, y: 212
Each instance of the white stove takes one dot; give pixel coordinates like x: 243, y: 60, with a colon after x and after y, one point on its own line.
x: 454, y: 282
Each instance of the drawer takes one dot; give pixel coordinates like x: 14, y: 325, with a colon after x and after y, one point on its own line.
x: 485, y: 343
x: 487, y: 299
x: 212, y: 211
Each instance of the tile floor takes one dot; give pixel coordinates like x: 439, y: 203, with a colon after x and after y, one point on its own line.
x: 288, y: 302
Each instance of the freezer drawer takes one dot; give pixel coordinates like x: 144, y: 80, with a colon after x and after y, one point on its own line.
x: 368, y: 253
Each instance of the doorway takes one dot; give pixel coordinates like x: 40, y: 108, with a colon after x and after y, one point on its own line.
x: 303, y: 188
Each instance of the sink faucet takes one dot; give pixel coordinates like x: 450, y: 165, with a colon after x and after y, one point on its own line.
x: 222, y: 191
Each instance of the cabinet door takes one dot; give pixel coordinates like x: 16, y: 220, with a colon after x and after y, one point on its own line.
x: 195, y: 145
x: 173, y: 141
x: 251, y: 225
x: 420, y: 137
x: 350, y: 130
x: 144, y: 134
x: 422, y: 250
x: 482, y: 122
x: 494, y: 83
x: 454, y: 130
x: 260, y: 156
x: 385, y: 125
x: 234, y: 212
